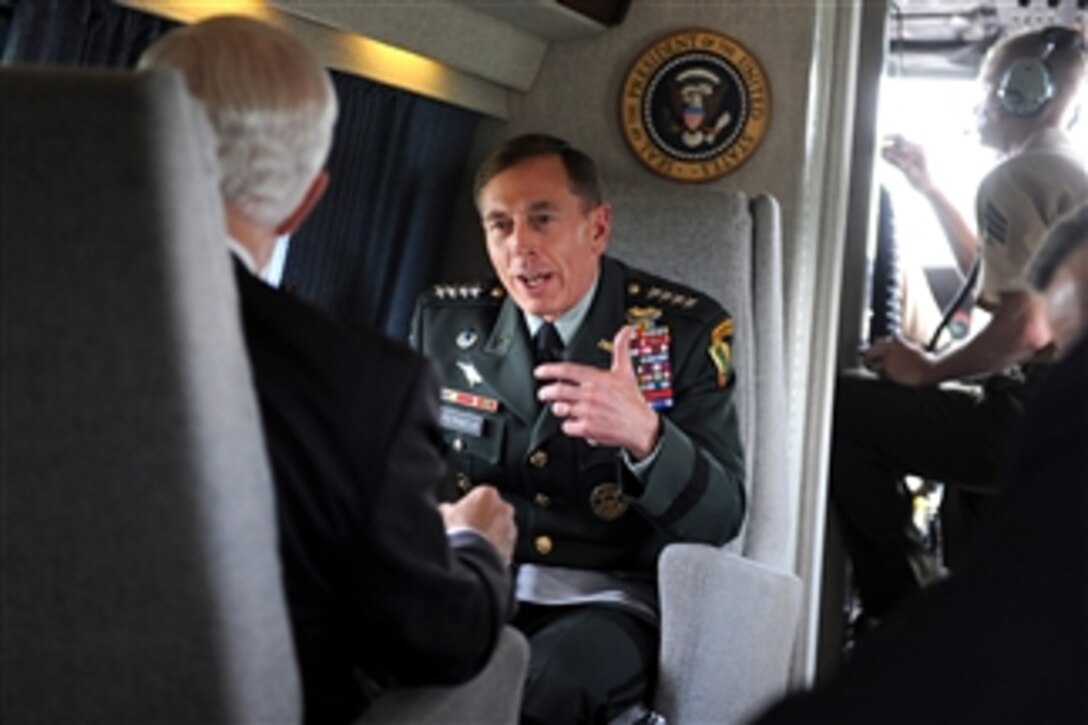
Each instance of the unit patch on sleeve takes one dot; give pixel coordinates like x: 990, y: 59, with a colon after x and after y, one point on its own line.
x: 721, y: 349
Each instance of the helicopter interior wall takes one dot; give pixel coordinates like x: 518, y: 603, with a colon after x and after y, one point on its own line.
x: 576, y: 96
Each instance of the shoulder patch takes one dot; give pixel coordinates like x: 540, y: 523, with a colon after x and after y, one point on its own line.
x: 720, y: 349
x: 723, y: 330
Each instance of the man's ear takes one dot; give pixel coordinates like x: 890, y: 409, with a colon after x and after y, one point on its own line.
x: 309, y: 201
x: 601, y: 219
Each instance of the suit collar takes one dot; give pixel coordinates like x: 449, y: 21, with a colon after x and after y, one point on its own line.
x: 243, y: 256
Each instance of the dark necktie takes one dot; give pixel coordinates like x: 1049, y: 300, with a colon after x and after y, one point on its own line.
x: 547, y: 345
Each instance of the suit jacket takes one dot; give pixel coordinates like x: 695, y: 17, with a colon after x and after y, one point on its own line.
x: 372, y: 583
x: 578, y: 505
x: 1005, y: 638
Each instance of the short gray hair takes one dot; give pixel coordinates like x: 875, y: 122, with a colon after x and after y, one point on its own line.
x: 582, y: 174
x: 270, y: 101
x: 1062, y: 240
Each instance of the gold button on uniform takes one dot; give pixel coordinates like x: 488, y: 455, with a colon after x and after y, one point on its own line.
x: 542, y: 500
x: 543, y: 545
x: 458, y: 445
x: 464, y: 483
x: 539, y: 459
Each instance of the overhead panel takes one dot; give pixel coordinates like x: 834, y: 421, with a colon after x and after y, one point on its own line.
x: 951, y: 37
x: 605, y: 12
x: 470, y: 53
x: 447, y: 31
x: 553, y: 20
x: 351, y: 52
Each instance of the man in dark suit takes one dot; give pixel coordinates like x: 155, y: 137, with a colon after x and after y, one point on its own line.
x: 377, y: 586
x: 606, y: 458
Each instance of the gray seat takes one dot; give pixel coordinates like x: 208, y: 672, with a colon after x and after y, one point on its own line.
x: 730, y: 616
x: 493, y: 697
x: 141, y: 577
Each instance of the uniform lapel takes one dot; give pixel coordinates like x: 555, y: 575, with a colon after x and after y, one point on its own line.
x: 506, y: 363
x: 606, y: 315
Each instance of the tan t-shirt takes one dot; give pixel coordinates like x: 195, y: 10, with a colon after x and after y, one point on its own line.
x: 1018, y: 201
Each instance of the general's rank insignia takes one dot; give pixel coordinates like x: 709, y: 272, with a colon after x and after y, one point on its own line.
x: 607, y: 501
x: 721, y: 349
x: 650, y: 358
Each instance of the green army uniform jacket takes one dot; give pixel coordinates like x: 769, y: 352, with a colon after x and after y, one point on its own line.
x: 578, y: 505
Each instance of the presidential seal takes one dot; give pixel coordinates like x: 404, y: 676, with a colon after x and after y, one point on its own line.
x: 695, y: 105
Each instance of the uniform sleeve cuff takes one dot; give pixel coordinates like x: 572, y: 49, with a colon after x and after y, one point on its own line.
x: 640, y: 467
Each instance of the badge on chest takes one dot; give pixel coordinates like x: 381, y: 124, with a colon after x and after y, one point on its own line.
x: 650, y: 353
x: 463, y: 412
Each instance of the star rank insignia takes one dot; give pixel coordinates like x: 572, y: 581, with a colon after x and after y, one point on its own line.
x: 458, y: 292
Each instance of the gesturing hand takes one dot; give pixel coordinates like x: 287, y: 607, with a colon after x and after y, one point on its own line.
x: 602, y: 406
x: 909, y: 158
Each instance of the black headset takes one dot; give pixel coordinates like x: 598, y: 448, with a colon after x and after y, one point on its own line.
x: 1027, y: 85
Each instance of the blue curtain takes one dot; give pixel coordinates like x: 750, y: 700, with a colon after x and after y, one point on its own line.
x: 375, y: 241
x: 79, y: 32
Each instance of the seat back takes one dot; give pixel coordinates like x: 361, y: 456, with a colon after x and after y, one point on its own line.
x: 142, y: 581
x: 728, y: 622
x: 729, y: 246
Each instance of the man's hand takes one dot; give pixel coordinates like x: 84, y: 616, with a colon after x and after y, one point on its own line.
x: 900, y: 362
x: 484, y: 510
x: 602, y: 406
x: 909, y: 158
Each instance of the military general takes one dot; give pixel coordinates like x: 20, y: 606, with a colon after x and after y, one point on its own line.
x: 598, y: 399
